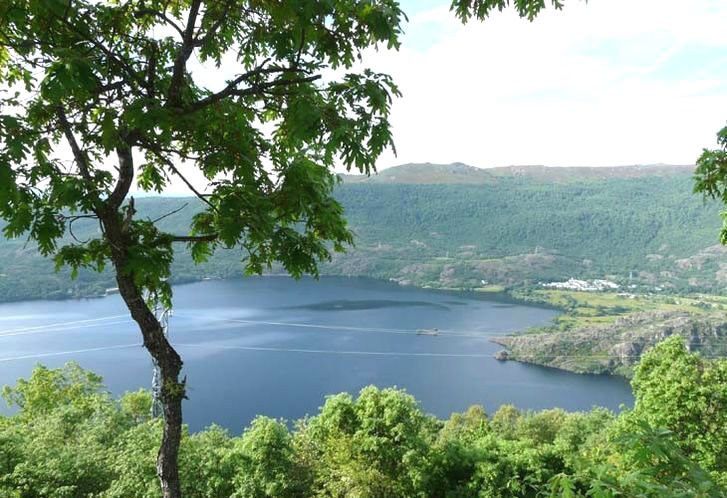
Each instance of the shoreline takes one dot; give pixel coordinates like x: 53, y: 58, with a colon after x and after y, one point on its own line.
x: 497, y: 293
x: 491, y: 293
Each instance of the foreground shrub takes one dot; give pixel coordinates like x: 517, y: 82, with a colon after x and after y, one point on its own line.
x: 71, y: 439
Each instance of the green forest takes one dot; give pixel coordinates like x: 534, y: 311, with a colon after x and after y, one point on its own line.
x: 518, y: 230
x: 506, y: 230
x: 253, y: 108
x: 71, y: 438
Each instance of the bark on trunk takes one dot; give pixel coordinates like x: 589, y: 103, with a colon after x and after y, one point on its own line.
x: 170, y: 363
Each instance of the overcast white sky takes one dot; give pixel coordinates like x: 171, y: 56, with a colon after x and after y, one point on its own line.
x: 610, y: 82
x: 602, y: 83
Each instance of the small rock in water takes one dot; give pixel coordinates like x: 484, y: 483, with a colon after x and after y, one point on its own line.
x: 502, y: 355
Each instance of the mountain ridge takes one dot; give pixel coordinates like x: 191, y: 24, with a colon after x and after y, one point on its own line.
x: 461, y: 173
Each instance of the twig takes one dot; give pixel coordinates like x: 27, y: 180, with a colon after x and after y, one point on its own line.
x: 163, y: 17
x: 170, y: 213
x: 195, y: 238
x: 158, y: 153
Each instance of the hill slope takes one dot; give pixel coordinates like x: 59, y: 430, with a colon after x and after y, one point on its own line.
x: 459, y: 173
x: 457, y: 226
x: 513, y: 225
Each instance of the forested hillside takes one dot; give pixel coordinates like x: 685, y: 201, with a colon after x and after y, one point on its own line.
x: 457, y: 226
x: 517, y: 228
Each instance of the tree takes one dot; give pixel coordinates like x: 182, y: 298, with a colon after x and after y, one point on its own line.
x: 710, y: 177
x: 671, y: 444
x: 266, y: 456
x: 58, y: 443
x: 655, y: 467
x: 118, y: 87
x: 112, y: 83
x: 687, y: 395
x: 374, y: 445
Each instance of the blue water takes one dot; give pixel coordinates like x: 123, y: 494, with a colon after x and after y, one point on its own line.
x: 277, y: 347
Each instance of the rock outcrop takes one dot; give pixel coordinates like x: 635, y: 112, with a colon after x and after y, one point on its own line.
x: 616, y: 348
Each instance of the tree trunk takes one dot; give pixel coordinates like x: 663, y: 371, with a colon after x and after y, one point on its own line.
x: 172, y: 389
x: 171, y: 398
x: 169, y: 362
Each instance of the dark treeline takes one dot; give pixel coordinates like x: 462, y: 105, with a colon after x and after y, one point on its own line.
x: 70, y: 438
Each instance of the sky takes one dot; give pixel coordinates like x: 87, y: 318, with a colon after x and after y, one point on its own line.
x: 599, y: 83
x: 602, y: 83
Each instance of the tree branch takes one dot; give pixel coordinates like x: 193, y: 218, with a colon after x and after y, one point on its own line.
x: 78, y: 154
x: 185, y: 51
x: 70, y: 230
x: 126, y: 176
x: 195, y: 238
x: 216, y: 26
x: 72, y: 219
x: 170, y: 213
x: 110, y: 54
x: 151, y: 70
x: 231, y: 89
x: 160, y: 155
x: 274, y: 84
x: 163, y: 17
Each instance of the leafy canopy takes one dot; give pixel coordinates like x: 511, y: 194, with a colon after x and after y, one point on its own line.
x: 481, y: 9
x: 710, y: 177
x: 249, y: 103
x: 379, y: 443
x: 259, y: 99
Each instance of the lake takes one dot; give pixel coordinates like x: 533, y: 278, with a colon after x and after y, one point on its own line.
x: 277, y: 347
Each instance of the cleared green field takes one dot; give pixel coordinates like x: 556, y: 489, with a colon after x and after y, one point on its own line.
x: 583, y: 309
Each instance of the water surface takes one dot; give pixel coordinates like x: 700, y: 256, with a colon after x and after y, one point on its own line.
x: 277, y: 347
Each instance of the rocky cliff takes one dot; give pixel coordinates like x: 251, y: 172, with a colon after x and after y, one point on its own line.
x: 617, y: 347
